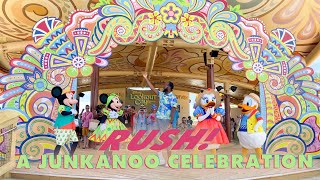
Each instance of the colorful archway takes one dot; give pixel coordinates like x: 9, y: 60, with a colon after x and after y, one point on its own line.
x: 290, y: 97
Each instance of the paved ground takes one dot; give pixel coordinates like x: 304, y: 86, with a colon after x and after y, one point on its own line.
x: 167, y: 173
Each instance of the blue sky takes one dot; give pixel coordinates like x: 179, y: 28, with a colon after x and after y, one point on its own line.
x: 85, y: 100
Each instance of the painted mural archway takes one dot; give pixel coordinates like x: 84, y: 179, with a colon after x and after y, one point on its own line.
x: 289, y: 96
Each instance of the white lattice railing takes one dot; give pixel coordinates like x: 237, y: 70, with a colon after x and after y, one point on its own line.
x: 8, y: 124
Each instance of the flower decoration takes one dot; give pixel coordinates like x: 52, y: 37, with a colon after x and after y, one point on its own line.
x: 255, y: 70
x: 171, y: 13
x: 187, y: 19
x: 81, y: 64
x: 34, y: 81
x: 76, y: 62
x: 155, y: 17
x: 294, y: 87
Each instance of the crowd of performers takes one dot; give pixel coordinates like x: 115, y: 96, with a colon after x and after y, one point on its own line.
x: 112, y: 117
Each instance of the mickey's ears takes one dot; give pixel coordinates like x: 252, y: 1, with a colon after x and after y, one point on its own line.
x: 104, y: 98
x: 56, y: 92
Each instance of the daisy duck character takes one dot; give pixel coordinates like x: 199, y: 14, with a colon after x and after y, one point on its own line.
x: 251, y: 133
x: 64, y: 124
x: 209, y: 118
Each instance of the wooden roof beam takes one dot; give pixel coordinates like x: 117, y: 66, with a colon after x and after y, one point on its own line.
x: 204, y: 77
x: 196, y: 90
x: 84, y: 88
x: 179, y: 43
x: 12, y: 47
x: 152, y: 53
x: 180, y: 75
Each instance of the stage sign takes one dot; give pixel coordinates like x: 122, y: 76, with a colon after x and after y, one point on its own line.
x: 138, y: 98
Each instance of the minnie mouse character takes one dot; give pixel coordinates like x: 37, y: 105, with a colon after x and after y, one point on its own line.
x: 64, y: 124
x: 112, y: 111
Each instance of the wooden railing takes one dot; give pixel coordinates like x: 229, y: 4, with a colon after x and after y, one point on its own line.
x: 8, y: 124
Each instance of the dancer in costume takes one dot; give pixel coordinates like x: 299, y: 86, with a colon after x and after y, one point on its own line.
x: 251, y: 133
x: 112, y: 111
x: 152, y: 120
x: 168, y: 104
x: 209, y: 117
x: 64, y: 124
x: 140, y: 119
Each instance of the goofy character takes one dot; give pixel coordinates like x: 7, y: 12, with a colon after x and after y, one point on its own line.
x: 64, y: 124
x: 251, y: 134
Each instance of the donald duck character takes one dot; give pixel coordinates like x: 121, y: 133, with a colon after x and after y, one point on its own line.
x: 209, y: 116
x: 251, y: 133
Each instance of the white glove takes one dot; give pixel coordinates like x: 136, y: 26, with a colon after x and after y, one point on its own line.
x: 74, y: 112
x: 212, y: 111
x: 218, y: 118
x: 259, y: 123
x: 103, y: 126
x: 208, y: 111
x: 201, y: 118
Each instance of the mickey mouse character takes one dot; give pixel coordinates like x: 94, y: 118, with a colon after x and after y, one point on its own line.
x: 64, y: 124
x: 112, y: 111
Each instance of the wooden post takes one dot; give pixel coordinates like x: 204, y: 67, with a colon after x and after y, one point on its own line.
x: 227, y: 110
x: 227, y: 115
x: 94, y: 89
x: 210, y: 70
x: 210, y: 77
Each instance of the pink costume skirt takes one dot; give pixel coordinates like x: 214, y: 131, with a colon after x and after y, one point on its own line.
x: 211, y: 124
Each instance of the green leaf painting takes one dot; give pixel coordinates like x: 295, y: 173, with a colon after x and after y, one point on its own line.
x: 235, y: 9
x: 181, y: 2
x: 102, y: 3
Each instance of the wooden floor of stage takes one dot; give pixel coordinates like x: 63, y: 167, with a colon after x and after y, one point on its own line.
x: 167, y: 173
